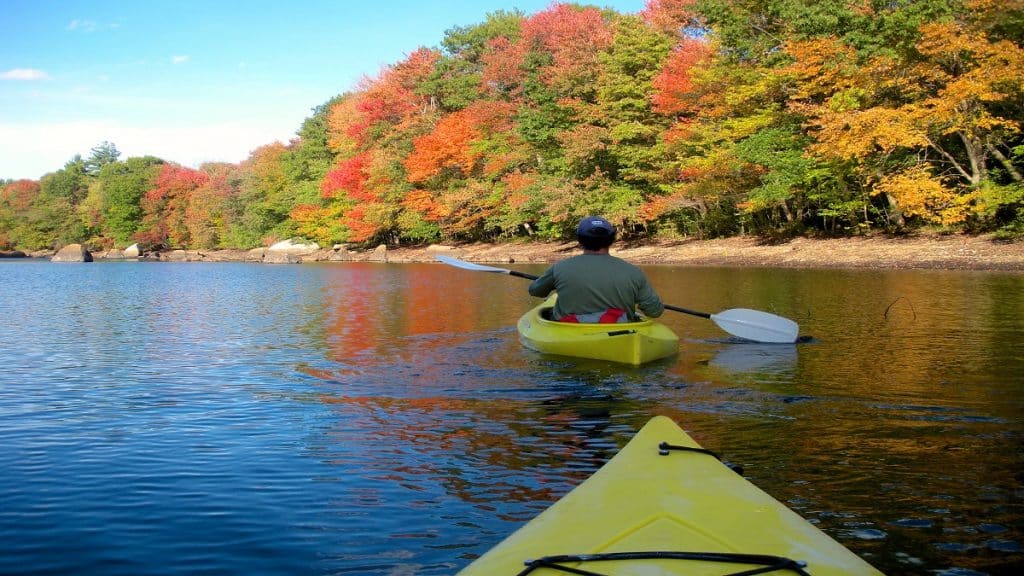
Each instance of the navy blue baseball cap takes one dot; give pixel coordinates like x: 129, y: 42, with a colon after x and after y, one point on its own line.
x: 595, y: 226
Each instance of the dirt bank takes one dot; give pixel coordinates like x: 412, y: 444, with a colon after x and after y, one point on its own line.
x: 953, y: 252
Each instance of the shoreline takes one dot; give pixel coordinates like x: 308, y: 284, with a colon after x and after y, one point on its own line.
x: 953, y: 252
x: 945, y: 252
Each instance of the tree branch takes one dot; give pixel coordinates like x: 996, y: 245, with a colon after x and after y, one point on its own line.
x: 995, y: 151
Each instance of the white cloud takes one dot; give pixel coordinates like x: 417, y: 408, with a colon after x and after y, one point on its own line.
x: 29, y: 151
x: 24, y: 74
x: 82, y: 25
x: 89, y: 26
x: 179, y: 59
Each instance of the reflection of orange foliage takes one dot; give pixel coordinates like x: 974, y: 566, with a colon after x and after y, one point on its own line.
x: 424, y: 300
x: 360, y: 310
x: 501, y: 451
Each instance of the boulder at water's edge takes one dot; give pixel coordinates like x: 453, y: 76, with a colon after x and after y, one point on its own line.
x: 72, y: 253
x: 298, y: 247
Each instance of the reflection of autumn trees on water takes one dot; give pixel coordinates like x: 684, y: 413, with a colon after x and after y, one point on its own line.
x: 912, y: 338
x: 489, y: 440
x: 365, y: 308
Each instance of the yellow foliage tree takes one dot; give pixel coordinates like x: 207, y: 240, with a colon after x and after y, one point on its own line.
x: 939, y: 118
x: 919, y: 193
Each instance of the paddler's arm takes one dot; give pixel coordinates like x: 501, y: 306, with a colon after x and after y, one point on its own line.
x: 543, y: 285
x: 648, y: 301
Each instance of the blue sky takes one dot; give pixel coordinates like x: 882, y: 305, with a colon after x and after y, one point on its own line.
x: 192, y: 81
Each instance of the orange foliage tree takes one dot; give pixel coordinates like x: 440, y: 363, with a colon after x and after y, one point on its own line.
x: 213, y: 212
x: 164, y: 219
x: 16, y: 201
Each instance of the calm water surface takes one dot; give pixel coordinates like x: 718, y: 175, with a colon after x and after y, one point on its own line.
x: 383, y: 419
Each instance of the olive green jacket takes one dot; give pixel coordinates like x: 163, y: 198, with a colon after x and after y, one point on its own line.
x: 590, y: 283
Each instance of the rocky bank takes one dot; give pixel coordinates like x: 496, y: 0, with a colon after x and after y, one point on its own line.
x: 952, y: 252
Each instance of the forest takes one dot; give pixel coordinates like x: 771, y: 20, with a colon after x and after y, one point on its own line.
x: 692, y: 118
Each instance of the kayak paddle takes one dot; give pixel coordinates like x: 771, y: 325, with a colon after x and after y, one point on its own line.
x: 740, y: 322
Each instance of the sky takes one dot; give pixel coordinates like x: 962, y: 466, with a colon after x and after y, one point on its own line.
x: 193, y: 81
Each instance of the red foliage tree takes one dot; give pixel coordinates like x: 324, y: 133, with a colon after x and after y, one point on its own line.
x: 674, y: 86
x: 349, y: 179
x: 672, y: 16
x: 503, y: 65
x: 360, y: 224
x: 392, y: 97
x: 164, y: 207
x: 19, y: 195
x: 573, y: 36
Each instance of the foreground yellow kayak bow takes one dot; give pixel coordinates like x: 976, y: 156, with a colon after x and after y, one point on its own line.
x: 666, y: 506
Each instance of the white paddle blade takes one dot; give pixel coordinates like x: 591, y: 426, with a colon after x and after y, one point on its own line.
x: 757, y: 326
x: 469, y: 265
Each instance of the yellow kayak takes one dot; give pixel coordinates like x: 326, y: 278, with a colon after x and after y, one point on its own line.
x: 663, y: 506
x: 627, y: 343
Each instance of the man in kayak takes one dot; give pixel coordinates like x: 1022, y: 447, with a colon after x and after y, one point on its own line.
x: 596, y: 286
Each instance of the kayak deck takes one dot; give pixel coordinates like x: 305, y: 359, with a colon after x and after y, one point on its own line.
x: 626, y: 343
x: 676, y: 510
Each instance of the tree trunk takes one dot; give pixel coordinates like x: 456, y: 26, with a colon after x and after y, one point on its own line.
x: 976, y: 155
x: 1010, y: 168
x: 786, y: 211
x: 895, y: 214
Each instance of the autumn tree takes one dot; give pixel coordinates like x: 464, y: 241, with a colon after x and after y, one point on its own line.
x: 934, y: 129
x: 457, y: 79
x: 377, y: 126
x: 165, y: 207
x: 706, y: 117
x: 120, y: 187
x: 266, y: 204
x: 17, y: 200
x: 213, y: 213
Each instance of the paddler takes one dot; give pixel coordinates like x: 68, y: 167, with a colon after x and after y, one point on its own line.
x: 595, y: 286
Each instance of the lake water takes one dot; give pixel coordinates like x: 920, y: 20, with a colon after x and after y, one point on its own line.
x: 360, y: 418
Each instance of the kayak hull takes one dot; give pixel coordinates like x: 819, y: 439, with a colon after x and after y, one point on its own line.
x: 700, y: 515
x: 632, y: 343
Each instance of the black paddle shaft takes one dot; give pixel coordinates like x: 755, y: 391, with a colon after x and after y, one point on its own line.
x: 522, y: 275
x: 687, y: 311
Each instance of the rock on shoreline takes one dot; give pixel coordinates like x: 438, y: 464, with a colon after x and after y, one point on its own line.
x: 950, y: 252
